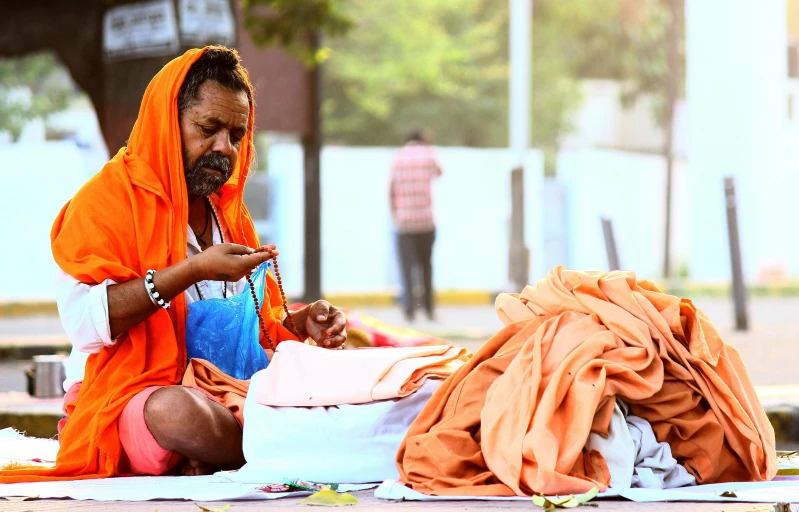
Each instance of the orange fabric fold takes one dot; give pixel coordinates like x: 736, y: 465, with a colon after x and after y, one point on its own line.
x: 516, y: 418
x: 229, y: 391
x: 130, y: 217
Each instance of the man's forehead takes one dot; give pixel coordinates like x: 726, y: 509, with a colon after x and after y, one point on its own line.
x: 221, y: 105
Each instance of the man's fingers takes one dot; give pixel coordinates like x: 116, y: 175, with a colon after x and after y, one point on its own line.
x: 334, y: 341
x: 270, y: 248
x: 239, y: 249
x: 315, y: 333
x: 250, y: 261
x: 336, y: 327
x: 320, y: 311
x: 338, y: 321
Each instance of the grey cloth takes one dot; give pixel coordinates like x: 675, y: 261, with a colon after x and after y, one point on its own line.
x: 617, y: 449
x: 655, y: 467
x: 634, y: 456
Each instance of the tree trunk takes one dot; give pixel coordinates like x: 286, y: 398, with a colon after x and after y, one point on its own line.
x: 75, y: 35
x: 672, y: 88
x: 124, y: 87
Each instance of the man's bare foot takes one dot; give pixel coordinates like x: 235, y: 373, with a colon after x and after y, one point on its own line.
x: 193, y: 467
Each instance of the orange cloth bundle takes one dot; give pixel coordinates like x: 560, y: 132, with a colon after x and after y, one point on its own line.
x: 515, y: 419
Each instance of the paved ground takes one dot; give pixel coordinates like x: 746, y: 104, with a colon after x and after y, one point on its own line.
x: 368, y: 502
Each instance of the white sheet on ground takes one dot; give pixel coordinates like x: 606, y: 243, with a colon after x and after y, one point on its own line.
x: 144, y: 488
x: 15, y: 447
x: 782, y: 488
x: 345, y: 443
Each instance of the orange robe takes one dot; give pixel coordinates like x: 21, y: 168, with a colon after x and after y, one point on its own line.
x: 130, y: 217
x: 516, y: 417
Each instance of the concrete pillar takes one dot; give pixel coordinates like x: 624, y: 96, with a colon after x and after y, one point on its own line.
x: 737, y: 113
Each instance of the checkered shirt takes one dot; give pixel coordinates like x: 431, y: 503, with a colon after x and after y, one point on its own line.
x: 412, y: 172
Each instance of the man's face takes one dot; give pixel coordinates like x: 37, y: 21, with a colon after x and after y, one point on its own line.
x: 211, y: 131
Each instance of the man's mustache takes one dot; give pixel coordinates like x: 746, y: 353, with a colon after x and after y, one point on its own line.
x: 214, y: 161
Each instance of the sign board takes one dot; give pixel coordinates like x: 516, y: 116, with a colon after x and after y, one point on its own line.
x: 146, y: 29
x: 205, y: 22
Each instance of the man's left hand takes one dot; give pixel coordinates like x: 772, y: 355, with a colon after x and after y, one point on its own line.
x: 325, y: 324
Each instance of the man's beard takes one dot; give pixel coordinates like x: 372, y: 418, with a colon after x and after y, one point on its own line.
x: 200, y: 183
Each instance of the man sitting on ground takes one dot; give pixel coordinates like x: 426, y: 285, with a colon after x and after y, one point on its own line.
x: 171, y: 201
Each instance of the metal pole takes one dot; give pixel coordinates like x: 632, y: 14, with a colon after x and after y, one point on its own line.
x: 312, y: 148
x: 519, y: 117
x: 519, y: 265
x: 610, y: 244
x: 672, y: 86
x: 738, y: 287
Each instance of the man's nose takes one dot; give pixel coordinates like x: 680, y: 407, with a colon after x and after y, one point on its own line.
x: 222, y: 144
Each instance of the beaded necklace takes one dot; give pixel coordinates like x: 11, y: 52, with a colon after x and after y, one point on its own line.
x: 221, y: 237
x: 291, y: 326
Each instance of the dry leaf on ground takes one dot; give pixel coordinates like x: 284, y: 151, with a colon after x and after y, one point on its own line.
x: 328, y: 498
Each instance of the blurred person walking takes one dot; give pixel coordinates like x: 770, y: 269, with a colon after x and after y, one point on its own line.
x: 413, y: 169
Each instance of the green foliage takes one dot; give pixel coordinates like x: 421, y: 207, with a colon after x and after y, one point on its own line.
x: 399, y: 64
x: 291, y: 24
x: 31, y: 87
x: 628, y: 41
x: 645, y: 68
x: 412, y: 63
x: 445, y: 65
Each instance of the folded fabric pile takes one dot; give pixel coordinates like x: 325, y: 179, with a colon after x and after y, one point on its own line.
x: 307, y: 376
x: 311, y: 409
x: 515, y: 419
x: 344, y: 443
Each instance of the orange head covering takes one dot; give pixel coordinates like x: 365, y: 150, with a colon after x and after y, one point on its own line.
x: 130, y: 217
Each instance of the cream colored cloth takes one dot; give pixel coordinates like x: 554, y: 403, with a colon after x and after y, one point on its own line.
x: 309, y: 376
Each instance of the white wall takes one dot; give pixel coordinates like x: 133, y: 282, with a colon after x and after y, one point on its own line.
x: 737, y: 92
x: 629, y: 189
x: 472, y: 207
x: 38, y: 178
x: 601, y: 121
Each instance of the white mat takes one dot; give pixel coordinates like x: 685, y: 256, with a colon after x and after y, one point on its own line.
x: 785, y: 489
x: 15, y: 447
x: 144, y: 488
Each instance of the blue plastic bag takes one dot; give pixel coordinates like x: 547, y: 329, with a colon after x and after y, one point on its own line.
x: 226, y: 331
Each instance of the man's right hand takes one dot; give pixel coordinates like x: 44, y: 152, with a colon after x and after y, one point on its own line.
x: 229, y: 262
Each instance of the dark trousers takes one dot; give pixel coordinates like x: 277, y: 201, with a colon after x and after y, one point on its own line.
x: 415, y: 255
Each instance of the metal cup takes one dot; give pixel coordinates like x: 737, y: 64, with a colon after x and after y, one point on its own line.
x: 50, y: 375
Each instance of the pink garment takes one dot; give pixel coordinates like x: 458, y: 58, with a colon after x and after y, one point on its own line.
x: 413, y: 170
x: 145, y: 455
x: 309, y: 376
